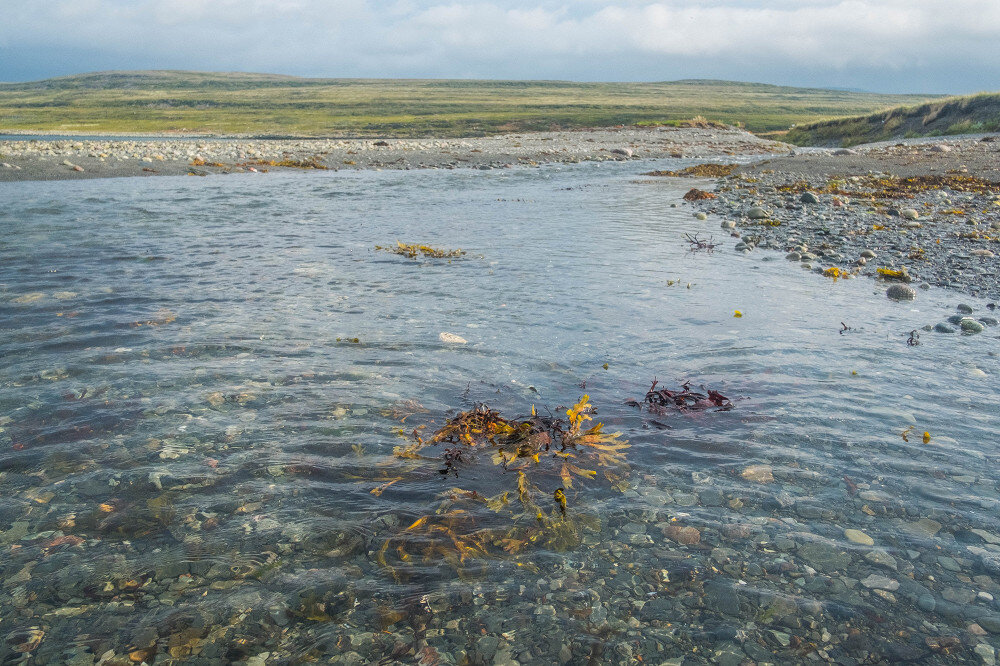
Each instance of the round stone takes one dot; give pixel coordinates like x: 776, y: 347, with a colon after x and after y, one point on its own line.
x: 757, y: 213
x: 900, y: 292
x: 809, y: 198
x: 970, y: 325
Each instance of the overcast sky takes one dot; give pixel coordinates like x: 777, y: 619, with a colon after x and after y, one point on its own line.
x: 950, y: 46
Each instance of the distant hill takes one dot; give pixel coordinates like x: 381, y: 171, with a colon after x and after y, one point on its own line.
x: 153, y: 79
x: 271, y: 104
x: 954, y: 115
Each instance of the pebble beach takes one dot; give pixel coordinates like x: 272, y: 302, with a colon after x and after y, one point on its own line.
x: 919, y: 214
x: 98, y: 158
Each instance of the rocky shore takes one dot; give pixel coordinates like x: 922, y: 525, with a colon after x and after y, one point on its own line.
x: 98, y: 158
x: 913, y: 215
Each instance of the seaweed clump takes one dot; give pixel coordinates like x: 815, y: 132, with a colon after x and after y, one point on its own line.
x: 698, y: 171
x: 545, y: 464
x: 414, y: 250
x: 312, y: 163
x: 694, y: 194
x: 660, y: 401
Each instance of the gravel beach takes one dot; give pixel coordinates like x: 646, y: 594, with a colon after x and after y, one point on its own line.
x: 913, y: 214
x: 97, y: 158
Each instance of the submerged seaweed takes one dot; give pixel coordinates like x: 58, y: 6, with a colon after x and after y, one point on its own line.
x: 541, y: 460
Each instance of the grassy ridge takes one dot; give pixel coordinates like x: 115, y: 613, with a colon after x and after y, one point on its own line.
x: 955, y: 115
x: 260, y: 104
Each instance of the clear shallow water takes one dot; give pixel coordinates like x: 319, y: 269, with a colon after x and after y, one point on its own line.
x: 188, y: 451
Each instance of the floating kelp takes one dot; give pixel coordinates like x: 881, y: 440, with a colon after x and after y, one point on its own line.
x: 538, y: 467
x: 698, y: 171
x: 414, y: 250
x: 660, y: 401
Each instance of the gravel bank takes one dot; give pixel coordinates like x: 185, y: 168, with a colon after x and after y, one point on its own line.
x: 914, y: 213
x: 96, y: 158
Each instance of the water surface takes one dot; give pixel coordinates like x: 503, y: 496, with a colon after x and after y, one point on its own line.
x: 191, y: 435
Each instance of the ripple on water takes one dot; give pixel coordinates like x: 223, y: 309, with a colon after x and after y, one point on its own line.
x: 197, y: 455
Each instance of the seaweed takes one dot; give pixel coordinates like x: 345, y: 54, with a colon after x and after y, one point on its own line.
x: 694, y: 194
x: 311, y: 163
x: 414, y: 250
x: 537, y: 461
x: 698, y: 171
x: 661, y: 401
x: 697, y: 243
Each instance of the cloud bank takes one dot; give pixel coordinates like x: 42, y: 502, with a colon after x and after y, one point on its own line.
x: 885, y: 45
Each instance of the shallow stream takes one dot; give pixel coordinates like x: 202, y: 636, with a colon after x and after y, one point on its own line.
x: 203, y: 380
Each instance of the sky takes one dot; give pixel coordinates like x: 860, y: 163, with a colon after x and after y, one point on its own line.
x: 920, y: 46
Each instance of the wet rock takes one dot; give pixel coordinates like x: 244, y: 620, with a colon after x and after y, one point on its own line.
x: 943, y: 328
x: 683, y: 535
x: 986, y: 653
x: 859, y: 537
x: 988, y: 537
x: 711, y: 497
x: 824, y: 557
x: 901, y: 292
x: 909, y: 214
x: 882, y: 559
x: 486, y: 648
x: 728, y: 654
x: 990, y: 623
x: 904, y: 652
x: 452, y: 339
x: 721, y: 598
x: 758, y: 213
x: 793, y: 256
x: 758, y: 474
x: 923, y: 527
x: 970, y: 325
x: 876, y: 582
x: 927, y: 603
x: 964, y: 309
x: 809, y: 198
x: 958, y: 595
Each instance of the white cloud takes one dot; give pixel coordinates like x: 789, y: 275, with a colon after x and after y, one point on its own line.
x: 547, y: 39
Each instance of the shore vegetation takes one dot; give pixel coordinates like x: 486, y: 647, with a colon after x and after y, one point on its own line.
x: 166, y: 102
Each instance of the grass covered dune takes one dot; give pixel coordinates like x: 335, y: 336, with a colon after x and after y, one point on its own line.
x: 267, y: 104
x: 970, y: 114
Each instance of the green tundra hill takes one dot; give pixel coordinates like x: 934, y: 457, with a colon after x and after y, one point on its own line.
x: 269, y: 104
x: 970, y: 114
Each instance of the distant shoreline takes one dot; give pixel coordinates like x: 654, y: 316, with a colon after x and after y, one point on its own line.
x: 79, y: 158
